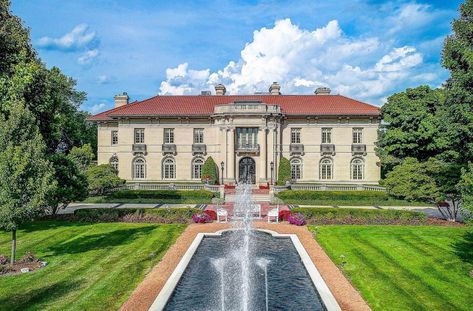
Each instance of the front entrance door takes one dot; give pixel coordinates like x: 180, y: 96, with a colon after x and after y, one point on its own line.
x: 247, y: 171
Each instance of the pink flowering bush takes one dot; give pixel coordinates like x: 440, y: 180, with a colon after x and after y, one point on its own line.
x: 297, y: 219
x: 201, y: 218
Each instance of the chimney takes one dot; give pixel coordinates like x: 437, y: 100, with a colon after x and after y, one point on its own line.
x: 121, y: 99
x: 275, y: 88
x: 322, y: 91
x: 220, y: 89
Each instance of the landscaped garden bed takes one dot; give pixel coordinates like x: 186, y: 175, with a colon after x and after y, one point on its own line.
x: 343, y: 198
x: 27, y: 263
x: 155, y: 196
x: 404, y: 267
x: 358, y: 216
x: 90, y: 266
x: 137, y: 215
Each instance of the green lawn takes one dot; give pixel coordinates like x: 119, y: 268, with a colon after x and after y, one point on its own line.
x: 404, y: 267
x: 91, y: 266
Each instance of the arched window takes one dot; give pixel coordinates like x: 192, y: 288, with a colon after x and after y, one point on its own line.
x: 114, y: 162
x: 139, y: 168
x: 169, y: 168
x: 296, y: 169
x: 197, y: 168
x: 326, y: 168
x: 357, y: 169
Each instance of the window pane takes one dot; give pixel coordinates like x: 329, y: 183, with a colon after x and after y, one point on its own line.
x: 326, y: 135
x: 168, y: 136
x: 114, y: 137
x: 139, y: 136
x: 357, y: 135
x: 198, y: 136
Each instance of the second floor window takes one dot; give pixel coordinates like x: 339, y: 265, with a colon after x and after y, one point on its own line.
x: 326, y: 135
x: 198, y: 136
x: 247, y: 136
x: 114, y: 137
x: 169, y: 136
x: 295, y: 136
x: 357, y: 135
x: 139, y: 136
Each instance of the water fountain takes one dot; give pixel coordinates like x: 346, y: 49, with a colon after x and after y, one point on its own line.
x: 245, y: 269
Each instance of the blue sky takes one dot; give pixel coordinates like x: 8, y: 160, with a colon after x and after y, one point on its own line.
x: 363, y: 49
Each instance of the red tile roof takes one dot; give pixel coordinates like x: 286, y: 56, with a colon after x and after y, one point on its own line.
x: 204, y: 105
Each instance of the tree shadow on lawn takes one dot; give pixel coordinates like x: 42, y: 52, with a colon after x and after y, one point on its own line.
x: 100, y: 241
x: 24, y: 299
x: 39, y: 225
x: 464, y: 247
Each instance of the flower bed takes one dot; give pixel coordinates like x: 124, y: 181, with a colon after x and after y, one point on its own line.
x: 358, y: 216
x: 201, y: 218
x: 297, y: 219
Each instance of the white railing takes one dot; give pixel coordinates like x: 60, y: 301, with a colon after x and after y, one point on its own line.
x: 170, y: 186
x: 327, y: 187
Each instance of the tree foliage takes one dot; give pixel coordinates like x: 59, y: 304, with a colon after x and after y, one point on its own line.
x: 82, y: 156
x: 72, y: 184
x: 457, y: 114
x: 102, y: 178
x: 284, y: 172
x: 210, y: 172
x: 26, y: 177
x: 466, y: 188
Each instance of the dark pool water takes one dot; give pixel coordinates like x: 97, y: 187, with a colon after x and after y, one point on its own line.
x: 289, y: 284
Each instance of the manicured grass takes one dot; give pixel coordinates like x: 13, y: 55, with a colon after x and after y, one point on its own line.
x: 155, y: 196
x: 343, y: 198
x: 91, y: 266
x: 404, y: 267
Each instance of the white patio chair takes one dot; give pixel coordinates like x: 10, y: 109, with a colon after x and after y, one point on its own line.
x: 273, y: 213
x: 256, y: 209
x: 221, y: 212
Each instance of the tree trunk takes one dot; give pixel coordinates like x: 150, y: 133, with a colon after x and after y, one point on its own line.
x: 13, y: 246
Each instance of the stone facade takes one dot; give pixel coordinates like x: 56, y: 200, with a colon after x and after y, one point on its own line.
x: 249, y: 137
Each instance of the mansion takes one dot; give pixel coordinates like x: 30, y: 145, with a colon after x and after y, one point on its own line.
x: 327, y: 138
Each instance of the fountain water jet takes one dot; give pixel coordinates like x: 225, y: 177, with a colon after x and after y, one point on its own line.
x: 263, y: 264
x: 219, y: 265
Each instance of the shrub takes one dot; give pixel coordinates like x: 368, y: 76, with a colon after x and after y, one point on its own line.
x: 210, y: 172
x: 212, y: 214
x: 360, y: 216
x: 297, y: 219
x: 4, y: 260
x: 102, y: 178
x: 284, y: 215
x: 284, y: 172
x: 201, y: 218
x: 162, y: 194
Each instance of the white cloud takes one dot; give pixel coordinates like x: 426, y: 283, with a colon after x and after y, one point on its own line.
x: 301, y: 60
x: 411, y: 16
x: 104, y: 79
x: 78, y: 39
x: 87, y: 57
x: 98, y: 108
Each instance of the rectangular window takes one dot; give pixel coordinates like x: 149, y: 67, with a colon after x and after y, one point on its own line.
x: 139, y: 136
x: 326, y: 135
x: 295, y: 136
x: 198, y: 136
x: 357, y: 135
x: 114, y: 137
x: 247, y: 136
x: 169, y: 136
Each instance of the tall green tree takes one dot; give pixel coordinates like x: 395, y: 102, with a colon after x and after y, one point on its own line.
x: 210, y: 172
x: 457, y: 113
x: 102, y: 178
x: 82, y: 156
x: 26, y: 177
x: 411, y: 127
x: 72, y: 184
x: 284, y: 172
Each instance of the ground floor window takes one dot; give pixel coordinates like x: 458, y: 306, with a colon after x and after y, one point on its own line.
x: 169, y: 168
x: 326, y: 169
x: 357, y: 169
x: 197, y: 168
x: 139, y: 168
x: 296, y: 169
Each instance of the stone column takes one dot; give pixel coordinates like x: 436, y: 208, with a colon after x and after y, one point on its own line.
x: 231, y: 155
x: 275, y: 153
x: 263, y: 156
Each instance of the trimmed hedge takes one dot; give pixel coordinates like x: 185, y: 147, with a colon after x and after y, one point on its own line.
x: 358, y: 216
x: 162, y: 194
x: 364, y: 197
x: 152, y: 215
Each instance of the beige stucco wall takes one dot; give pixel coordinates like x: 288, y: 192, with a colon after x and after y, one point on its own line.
x: 218, y: 138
